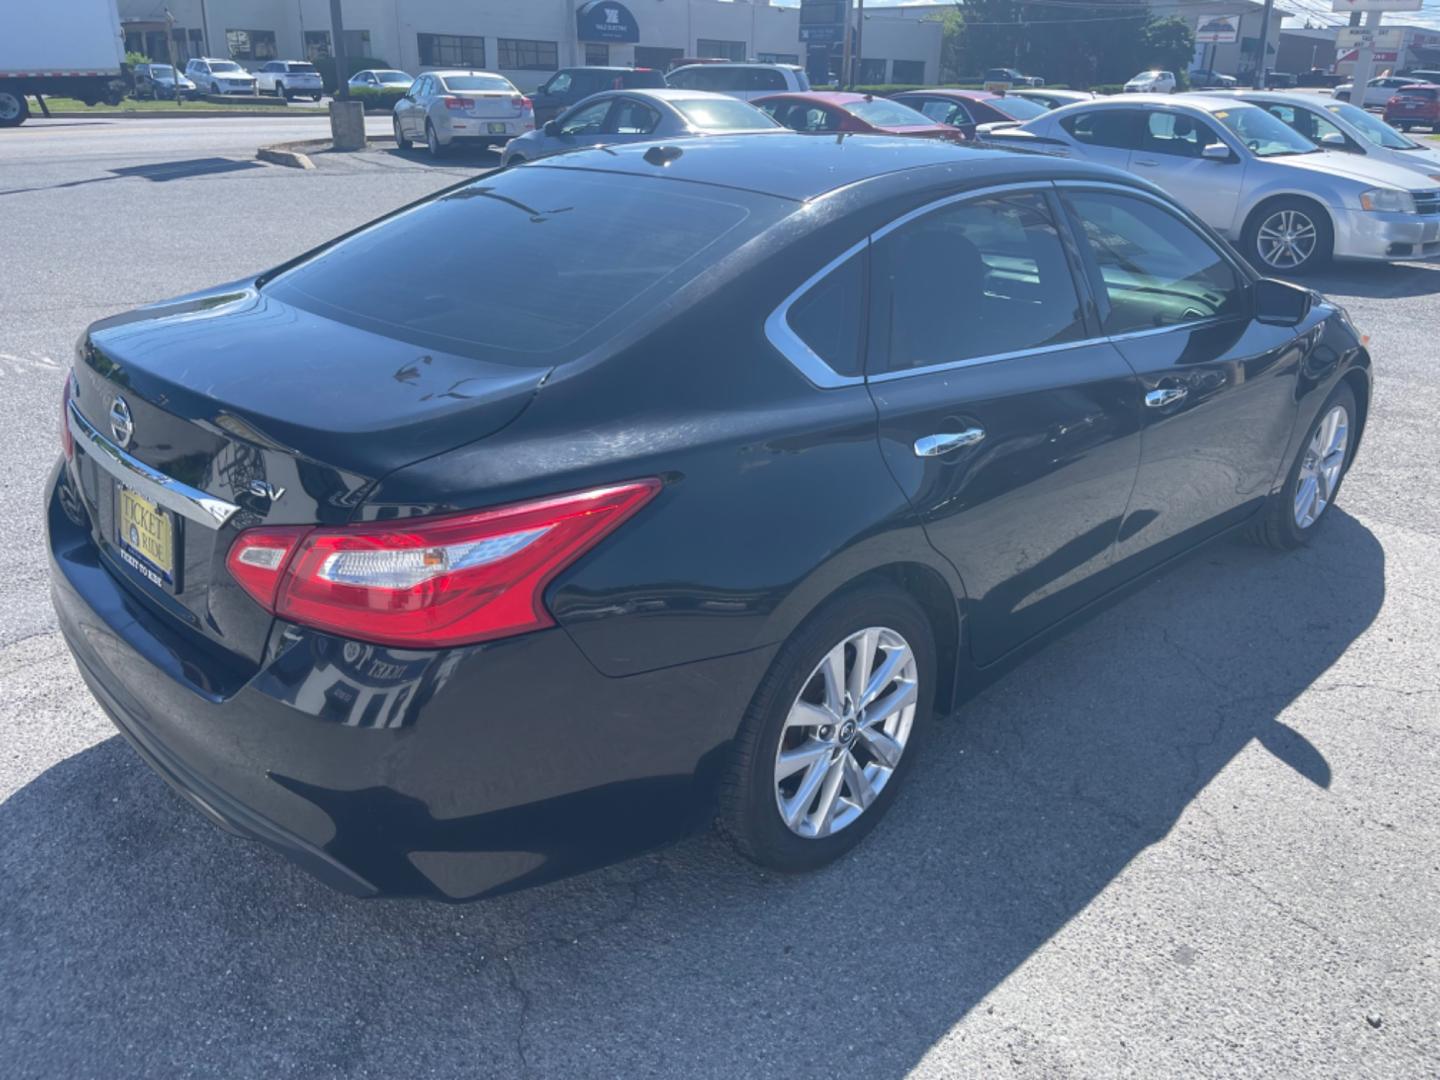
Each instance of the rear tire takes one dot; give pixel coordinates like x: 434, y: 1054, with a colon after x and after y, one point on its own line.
x: 14, y: 109
x: 432, y: 141
x: 1289, y: 236
x: 400, y: 140
x: 784, y: 715
x: 1291, y: 518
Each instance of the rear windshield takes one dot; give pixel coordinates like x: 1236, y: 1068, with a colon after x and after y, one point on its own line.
x: 1416, y: 92
x: 1017, y: 108
x: 527, y: 261
x: 301, y: 67
x: 723, y: 114
x: 885, y: 113
x: 642, y: 79
x: 478, y: 82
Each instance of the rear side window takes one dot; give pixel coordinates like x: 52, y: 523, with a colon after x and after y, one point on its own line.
x: 764, y: 79
x: 642, y: 79
x: 303, y: 68
x: 1118, y: 128
x: 976, y: 279
x: 1157, y: 270
x: 525, y: 262
x: 826, y: 318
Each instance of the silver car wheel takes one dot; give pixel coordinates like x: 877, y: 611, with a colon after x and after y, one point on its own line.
x: 845, y: 732
x: 1286, y: 239
x: 1320, y: 467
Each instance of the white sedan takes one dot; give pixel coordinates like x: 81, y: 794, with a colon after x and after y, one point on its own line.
x: 1377, y: 91
x: 442, y: 108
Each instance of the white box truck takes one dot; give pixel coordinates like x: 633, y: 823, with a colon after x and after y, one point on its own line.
x: 73, y: 48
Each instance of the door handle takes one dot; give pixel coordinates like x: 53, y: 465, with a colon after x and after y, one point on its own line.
x: 935, y: 445
x: 1166, y: 395
x: 1147, y: 162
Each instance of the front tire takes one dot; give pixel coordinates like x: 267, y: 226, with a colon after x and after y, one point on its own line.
x: 832, y: 731
x: 1289, y: 236
x: 1291, y: 518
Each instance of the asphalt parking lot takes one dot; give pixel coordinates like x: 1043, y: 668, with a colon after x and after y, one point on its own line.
x: 1198, y: 837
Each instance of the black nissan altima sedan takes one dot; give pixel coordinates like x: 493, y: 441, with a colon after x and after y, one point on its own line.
x: 677, y: 485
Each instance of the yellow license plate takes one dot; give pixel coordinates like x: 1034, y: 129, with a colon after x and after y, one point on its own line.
x: 147, y: 531
x: 497, y: 129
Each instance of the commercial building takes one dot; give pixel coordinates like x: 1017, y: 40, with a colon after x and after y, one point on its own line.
x: 522, y: 39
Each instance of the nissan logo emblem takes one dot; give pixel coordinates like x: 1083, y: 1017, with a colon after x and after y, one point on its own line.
x: 121, y: 426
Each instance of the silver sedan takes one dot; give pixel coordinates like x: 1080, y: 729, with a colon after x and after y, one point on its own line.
x: 1289, y: 204
x: 620, y: 116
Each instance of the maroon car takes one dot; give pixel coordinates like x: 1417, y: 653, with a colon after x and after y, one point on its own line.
x: 1414, y: 106
x: 964, y: 110
x: 827, y: 111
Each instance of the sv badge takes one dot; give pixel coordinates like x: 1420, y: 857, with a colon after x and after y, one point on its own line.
x: 263, y: 489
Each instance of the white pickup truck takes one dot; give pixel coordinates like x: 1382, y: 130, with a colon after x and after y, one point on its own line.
x: 74, y: 49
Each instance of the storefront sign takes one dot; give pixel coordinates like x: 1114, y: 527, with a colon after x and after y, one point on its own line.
x: 606, y: 20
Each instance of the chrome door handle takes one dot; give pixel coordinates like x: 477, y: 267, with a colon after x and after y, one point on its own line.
x: 1146, y: 161
x: 1166, y: 395
x: 935, y: 445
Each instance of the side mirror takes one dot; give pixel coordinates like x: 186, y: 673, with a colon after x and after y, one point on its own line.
x: 1217, y: 152
x: 1334, y: 141
x: 552, y: 127
x: 1278, y: 303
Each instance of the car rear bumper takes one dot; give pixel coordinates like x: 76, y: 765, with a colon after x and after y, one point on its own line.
x: 482, y: 129
x: 1361, y: 234
x: 453, y: 774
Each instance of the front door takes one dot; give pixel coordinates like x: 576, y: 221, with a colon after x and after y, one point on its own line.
x: 1010, y: 426
x: 1218, y: 386
x: 1169, y: 155
x: 584, y: 126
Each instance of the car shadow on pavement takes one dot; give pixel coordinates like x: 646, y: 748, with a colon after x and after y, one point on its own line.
x: 135, y: 938
x: 454, y: 155
x: 1383, y: 281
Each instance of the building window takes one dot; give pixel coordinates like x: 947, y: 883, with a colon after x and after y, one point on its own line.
x: 597, y: 55
x: 908, y: 72
x: 317, y: 44
x: 872, y: 72
x: 779, y: 58
x: 451, y: 50
x: 251, y: 44
x: 518, y: 55
x: 357, y: 43
x: 711, y: 49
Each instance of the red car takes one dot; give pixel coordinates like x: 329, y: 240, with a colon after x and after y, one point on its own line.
x: 963, y: 110
x: 1414, y: 106
x: 824, y: 111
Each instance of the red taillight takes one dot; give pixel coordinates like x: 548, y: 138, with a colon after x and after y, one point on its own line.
x: 67, y: 441
x: 430, y: 582
x: 457, y: 103
x: 521, y: 102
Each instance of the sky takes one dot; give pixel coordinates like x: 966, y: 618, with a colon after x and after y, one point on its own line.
x: 1317, y: 11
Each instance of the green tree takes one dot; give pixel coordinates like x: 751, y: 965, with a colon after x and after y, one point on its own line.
x: 1168, y: 44
x: 952, y: 45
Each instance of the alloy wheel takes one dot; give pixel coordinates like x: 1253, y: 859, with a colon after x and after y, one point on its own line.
x: 846, y: 731
x: 1320, y: 467
x: 1286, y: 239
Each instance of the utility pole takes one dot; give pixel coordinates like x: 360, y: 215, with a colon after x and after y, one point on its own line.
x: 337, y: 51
x: 1259, y: 82
x: 860, y: 41
x: 844, y: 80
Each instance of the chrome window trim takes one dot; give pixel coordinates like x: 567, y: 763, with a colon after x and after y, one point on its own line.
x: 166, y: 491
x: 792, y: 346
x: 822, y: 375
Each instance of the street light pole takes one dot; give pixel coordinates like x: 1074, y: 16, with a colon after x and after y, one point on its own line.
x: 1264, y: 44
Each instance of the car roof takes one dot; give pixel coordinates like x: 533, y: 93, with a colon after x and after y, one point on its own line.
x: 804, y: 167
x: 1279, y: 97
x: 959, y: 95
x: 616, y: 68
x: 1203, y: 102
x: 663, y: 93
x: 446, y: 72
x: 820, y: 97
x: 740, y: 64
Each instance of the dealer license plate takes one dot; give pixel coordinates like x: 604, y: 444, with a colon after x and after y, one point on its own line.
x: 147, y: 534
x: 497, y: 129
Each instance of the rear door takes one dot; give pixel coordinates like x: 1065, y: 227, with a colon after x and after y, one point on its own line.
x: 1170, y: 155
x: 1108, y: 136
x: 1011, y: 426
x: 1218, y: 386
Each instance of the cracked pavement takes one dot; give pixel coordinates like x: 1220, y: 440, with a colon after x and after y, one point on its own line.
x: 1195, y: 838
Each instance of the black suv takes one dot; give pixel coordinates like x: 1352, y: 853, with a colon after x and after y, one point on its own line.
x: 569, y: 85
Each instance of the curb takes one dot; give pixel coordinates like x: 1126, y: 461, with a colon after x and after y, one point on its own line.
x: 296, y: 155
x: 176, y: 114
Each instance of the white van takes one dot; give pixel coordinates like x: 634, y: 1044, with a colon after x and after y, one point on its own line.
x: 744, y: 81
